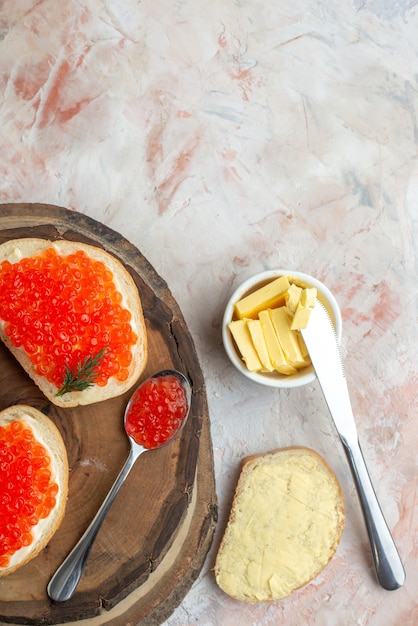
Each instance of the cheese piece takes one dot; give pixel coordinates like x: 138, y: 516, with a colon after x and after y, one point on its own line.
x: 269, y: 296
x: 259, y: 342
x: 274, y: 348
x: 242, y: 337
x: 285, y: 525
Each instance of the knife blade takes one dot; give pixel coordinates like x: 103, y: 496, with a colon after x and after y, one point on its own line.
x: 321, y: 343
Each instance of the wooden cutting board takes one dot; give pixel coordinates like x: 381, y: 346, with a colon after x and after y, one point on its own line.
x: 156, y: 535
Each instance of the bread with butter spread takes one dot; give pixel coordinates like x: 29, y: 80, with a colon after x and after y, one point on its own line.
x: 285, y: 524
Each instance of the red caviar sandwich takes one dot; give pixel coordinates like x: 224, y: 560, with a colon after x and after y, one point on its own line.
x: 33, y: 484
x: 71, y: 315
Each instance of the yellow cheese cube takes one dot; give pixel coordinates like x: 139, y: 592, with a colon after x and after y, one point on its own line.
x: 242, y: 338
x: 274, y: 348
x: 269, y: 296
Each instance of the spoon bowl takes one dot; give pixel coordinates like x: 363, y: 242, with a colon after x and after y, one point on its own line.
x: 166, y: 383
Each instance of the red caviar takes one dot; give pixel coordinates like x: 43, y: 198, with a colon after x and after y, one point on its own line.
x: 64, y: 309
x: 157, y: 411
x: 27, y: 491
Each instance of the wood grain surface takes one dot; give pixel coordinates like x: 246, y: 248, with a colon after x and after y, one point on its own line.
x: 156, y: 535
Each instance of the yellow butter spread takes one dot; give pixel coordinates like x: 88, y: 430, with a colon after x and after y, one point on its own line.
x: 271, y: 295
x: 293, y: 296
x: 242, y: 338
x: 259, y: 343
x: 267, y: 329
x: 274, y: 346
x: 286, y: 523
x: 282, y: 323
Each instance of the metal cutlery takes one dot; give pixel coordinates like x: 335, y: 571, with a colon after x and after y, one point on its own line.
x: 321, y: 342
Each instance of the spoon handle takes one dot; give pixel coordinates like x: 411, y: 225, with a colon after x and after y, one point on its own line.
x: 389, y: 569
x: 65, y: 580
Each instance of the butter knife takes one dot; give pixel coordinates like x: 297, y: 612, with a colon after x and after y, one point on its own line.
x: 321, y: 342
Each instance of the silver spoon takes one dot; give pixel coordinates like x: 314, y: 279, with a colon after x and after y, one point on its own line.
x: 65, y: 580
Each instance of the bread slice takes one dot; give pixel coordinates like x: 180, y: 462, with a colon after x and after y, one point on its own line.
x: 14, y: 251
x: 285, y: 524
x: 47, y: 435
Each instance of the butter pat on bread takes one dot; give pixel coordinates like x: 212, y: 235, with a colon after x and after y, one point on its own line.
x: 285, y: 524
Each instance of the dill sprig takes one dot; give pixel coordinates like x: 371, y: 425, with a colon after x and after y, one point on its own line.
x: 83, y: 376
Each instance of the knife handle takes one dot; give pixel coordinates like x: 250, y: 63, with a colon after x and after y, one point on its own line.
x: 388, y: 565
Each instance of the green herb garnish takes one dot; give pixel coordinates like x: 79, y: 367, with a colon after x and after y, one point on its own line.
x: 84, y: 376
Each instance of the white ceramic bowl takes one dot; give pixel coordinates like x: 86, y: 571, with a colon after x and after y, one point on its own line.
x: 274, y: 379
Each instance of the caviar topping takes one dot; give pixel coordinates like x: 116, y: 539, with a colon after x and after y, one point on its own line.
x: 27, y: 489
x: 64, y: 310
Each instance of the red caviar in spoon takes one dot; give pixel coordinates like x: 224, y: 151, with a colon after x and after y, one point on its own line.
x: 157, y: 411
x: 27, y: 491
x: 154, y: 415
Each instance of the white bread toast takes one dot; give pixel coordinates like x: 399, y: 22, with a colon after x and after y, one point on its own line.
x: 48, y: 435
x: 13, y: 251
x: 285, y: 524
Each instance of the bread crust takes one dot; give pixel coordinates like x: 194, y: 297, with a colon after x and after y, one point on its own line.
x: 16, y: 249
x: 247, y: 467
x: 48, y: 434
